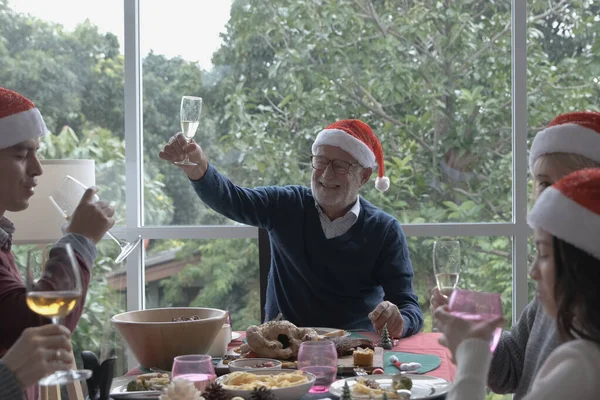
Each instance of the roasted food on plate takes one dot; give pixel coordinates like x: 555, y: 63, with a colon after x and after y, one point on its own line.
x: 276, y: 339
x: 402, y: 382
x: 372, y: 388
x: 153, y: 381
x: 346, y: 345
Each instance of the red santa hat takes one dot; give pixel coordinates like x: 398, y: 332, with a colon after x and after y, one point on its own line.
x: 576, y: 132
x: 357, y: 139
x: 570, y: 210
x: 20, y: 120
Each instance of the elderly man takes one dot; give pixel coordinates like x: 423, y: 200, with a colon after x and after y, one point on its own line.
x: 21, y: 126
x: 337, y: 260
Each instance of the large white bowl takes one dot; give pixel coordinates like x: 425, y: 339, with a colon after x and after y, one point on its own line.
x: 155, y: 339
x: 288, y: 393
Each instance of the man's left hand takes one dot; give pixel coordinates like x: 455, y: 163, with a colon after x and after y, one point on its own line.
x: 388, y: 313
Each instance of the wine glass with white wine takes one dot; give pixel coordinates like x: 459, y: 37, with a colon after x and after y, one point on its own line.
x: 55, y: 295
x: 446, y: 265
x: 191, y: 107
x: 66, y: 199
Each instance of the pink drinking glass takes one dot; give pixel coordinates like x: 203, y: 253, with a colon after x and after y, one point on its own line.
x: 197, y: 369
x: 319, y: 358
x: 477, y: 306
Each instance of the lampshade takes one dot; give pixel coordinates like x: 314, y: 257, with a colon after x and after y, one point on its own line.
x: 41, y: 222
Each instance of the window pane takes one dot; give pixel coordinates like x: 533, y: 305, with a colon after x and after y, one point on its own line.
x: 432, y: 80
x: 71, y: 65
x: 177, y: 41
x: 486, y: 265
x: 562, y: 57
x: 223, y: 273
x: 219, y: 273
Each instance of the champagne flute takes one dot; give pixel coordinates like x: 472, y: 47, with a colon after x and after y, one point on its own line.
x: 54, y: 296
x: 191, y: 107
x: 66, y: 199
x: 446, y: 265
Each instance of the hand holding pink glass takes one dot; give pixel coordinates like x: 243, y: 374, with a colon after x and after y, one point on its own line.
x: 477, y: 306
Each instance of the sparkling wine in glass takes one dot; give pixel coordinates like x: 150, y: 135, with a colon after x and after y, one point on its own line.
x: 319, y: 358
x: 477, y: 306
x: 446, y: 265
x: 66, y: 199
x: 191, y: 107
x: 55, y: 295
x: 197, y: 369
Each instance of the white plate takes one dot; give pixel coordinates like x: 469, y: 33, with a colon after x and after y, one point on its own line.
x: 424, y: 387
x: 118, y: 390
x: 322, y: 331
x: 235, y: 335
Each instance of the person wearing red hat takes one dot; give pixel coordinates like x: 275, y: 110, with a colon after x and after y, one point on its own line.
x: 337, y: 260
x: 21, y: 127
x: 566, y: 223
x: 570, y: 142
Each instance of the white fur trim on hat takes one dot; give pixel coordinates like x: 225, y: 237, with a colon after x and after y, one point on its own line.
x: 20, y: 127
x: 567, y: 220
x: 566, y: 138
x: 351, y: 145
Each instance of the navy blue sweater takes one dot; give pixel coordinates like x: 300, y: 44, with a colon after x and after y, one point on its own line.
x: 315, y: 281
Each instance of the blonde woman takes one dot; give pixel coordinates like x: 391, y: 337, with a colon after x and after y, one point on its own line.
x: 566, y: 220
x: 569, y: 143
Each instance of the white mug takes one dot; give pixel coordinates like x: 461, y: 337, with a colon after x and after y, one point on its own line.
x: 219, y: 345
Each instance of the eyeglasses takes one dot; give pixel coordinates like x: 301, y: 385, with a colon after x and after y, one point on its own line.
x: 340, y: 167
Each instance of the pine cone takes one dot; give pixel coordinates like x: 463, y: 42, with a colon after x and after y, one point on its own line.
x: 262, y: 393
x: 181, y: 389
x: 215, y: 391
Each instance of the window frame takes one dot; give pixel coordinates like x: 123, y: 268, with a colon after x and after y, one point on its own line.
x: 518, y: 229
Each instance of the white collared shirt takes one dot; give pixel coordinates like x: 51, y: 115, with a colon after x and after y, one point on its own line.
x: 339, y: 226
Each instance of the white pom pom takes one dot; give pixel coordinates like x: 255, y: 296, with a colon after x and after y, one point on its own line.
x: 382, y: 184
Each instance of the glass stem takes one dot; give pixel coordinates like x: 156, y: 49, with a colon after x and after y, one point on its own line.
x: 55, y: 320
x: 110, y: 235
x: 187, y: 158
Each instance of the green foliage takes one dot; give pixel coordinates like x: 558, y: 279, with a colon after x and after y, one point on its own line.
x: 224, y: 279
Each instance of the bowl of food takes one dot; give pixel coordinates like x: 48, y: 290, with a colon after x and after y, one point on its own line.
x: 285, y: 385
x: 251, y: 364
x: 157, y: 336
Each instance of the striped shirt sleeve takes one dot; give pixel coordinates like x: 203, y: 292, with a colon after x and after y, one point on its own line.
x: 9, y: 385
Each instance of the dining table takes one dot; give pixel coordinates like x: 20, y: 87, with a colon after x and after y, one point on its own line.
x: 423, y: 343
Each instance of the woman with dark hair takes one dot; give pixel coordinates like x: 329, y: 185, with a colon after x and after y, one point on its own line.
x: 566, y: 220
